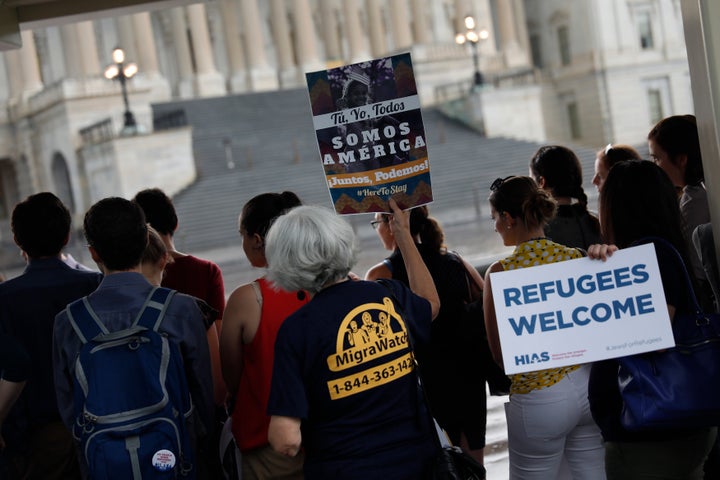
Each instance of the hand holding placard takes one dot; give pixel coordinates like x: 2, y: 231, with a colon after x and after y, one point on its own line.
x: 581, y: 310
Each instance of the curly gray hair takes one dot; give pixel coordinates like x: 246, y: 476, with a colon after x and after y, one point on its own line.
x: 309, y: 247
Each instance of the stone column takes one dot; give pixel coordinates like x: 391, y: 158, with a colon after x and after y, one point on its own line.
x: 126, y: 36
x: 147, y: 59
x: 376, y: 27
x: 4, y: 86
x: 54, y: 57
x: 88, y: 50
x: 399, y: 15
x: 262, y: 76
x: 182, y: 53
x: 71, y: 48
x: 443, y: 28
x: 508, y: 34
x: 287, y: 71
x: 506, y: 21
x: 147, y: 55
x: 14, y: 73
x: 208, y: 81
x: 233, y: 45
x: 353, y: 30
x: 484, y: 20
x: 305, y: 37
x: 32, y: 81
x: 333, y: 47
x: 522, y: 32
x: 461, y: 11
x: 421, y: 25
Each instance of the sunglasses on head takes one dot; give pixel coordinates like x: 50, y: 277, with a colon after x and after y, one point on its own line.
x: 498, y: 183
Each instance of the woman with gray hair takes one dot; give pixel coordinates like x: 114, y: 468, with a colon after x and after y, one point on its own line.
x: 344, y: 369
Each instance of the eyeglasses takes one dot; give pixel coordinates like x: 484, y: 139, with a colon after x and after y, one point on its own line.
x: 498, y: 183
x: 375, y: 223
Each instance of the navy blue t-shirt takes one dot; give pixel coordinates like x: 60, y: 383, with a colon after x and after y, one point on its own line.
x: 344, y: 367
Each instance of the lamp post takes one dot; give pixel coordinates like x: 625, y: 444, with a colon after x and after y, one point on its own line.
x: 473, y: 36
x: 122, y: 72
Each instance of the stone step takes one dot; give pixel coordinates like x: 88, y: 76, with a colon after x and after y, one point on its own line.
x: 273, y: 148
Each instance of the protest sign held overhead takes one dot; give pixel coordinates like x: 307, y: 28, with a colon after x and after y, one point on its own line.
x: 581, y: 311
x: 370, y: 135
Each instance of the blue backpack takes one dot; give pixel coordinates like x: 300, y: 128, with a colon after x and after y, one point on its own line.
x: 131, y: 396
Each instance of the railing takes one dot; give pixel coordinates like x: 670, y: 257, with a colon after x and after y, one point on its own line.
x: 453, y: 91
x: 99, y: 132
x: 170, y: 120
x: 515, y: 79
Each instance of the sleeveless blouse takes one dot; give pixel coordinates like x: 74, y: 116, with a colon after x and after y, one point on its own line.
x: 529, y: 254
x: 250, y: 420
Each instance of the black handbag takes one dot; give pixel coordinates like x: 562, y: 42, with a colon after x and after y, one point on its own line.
x: 451, y: 462
x: 676, y: 387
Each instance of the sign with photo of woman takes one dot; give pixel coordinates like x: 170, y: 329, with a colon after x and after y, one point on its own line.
x: 370, y: 135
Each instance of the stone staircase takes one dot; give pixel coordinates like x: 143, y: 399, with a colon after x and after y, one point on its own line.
x: 249, y: 144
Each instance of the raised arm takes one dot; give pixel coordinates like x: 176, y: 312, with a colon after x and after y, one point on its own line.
x: 421, y: 283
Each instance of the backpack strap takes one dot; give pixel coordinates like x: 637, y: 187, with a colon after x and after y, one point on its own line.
x: 84, y: 320
x: 153, y: 310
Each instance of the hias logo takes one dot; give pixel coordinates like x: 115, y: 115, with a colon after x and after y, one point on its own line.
x: 531, y: 358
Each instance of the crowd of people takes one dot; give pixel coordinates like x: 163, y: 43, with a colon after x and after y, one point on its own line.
x: 313, y: 367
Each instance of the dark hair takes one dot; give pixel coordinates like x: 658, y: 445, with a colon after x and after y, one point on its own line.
x: 678, y: 135
x: 155, y: 250
x: 427, y: 228
x: 115, y: 228
x: 613, y: 154
x: 159, y: 210
x: 258, y: 213
x: 343, y: 102
x: 639, y: 200
x: 561, y: 169
x: 522, y: 198
x: 41, y: 225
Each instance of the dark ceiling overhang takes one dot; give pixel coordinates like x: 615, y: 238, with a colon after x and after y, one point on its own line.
x: 16, y: 15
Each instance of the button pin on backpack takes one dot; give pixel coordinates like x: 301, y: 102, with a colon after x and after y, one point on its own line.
x: 163, y: 460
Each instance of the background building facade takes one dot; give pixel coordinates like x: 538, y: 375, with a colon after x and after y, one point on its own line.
x: 586, y: 72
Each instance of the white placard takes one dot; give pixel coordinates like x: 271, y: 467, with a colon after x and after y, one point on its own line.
x: 582, y: 310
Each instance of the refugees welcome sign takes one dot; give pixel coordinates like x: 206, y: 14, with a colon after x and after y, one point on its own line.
x: 581, y: 310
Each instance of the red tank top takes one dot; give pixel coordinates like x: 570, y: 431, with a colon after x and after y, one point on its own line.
x: 250, y: 421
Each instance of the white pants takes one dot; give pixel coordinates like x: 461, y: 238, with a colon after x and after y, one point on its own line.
x: 555, y: 422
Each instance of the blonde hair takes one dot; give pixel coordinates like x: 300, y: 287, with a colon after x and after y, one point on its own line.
x: 155, y: 250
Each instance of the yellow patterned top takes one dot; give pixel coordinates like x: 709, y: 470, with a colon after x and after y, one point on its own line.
x: 534, y: 252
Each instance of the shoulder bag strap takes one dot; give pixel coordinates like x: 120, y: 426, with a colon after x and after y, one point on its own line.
x: 440, y: 433
x: 680, y: 264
